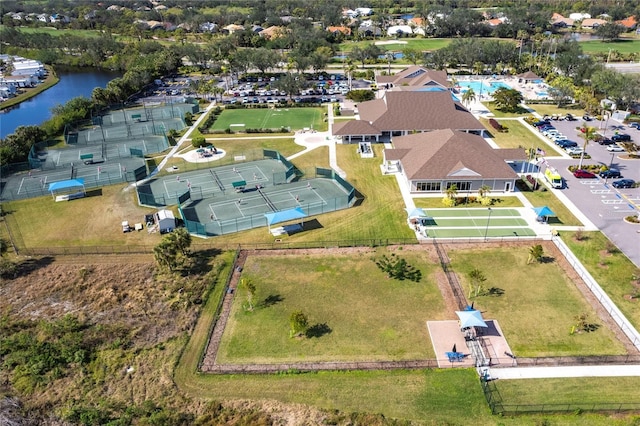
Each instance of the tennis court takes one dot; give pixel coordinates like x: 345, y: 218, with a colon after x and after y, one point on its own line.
x: 35, y: 182
x: 476, y: 223
x: 213, y: 182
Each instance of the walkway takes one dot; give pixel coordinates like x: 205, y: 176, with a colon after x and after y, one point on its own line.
x: 555, y: 372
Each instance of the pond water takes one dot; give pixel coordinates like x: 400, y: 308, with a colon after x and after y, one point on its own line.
x: 34, y: 111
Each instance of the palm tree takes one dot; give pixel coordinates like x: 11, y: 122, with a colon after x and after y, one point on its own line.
x: 452, y: 191
x: 483, y: 190
x: 469, y: 96
x: 588, y: 134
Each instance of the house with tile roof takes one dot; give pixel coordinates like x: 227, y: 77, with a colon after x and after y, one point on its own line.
x: 432, y: 162
x: 592, y: 23
x: 629, y: 23
x: 341, y: 29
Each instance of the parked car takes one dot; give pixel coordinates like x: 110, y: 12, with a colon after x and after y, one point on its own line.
x: 610, y: 173
x: 557, y: 137
x: 583, y: 174
x: 541, y: 123
x: 569, y: 117
x: 545, y: 127
x: 635, y: 125
x: 565, y: 143
x: 624, y: 183
x: 587, y: 117
x: 574, y: 150
x: 605, y: 141
x: 621, y: 137
x: 615, y: 148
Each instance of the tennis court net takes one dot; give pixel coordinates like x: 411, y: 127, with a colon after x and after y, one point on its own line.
x: 217, y: 179
x: 268, y: 201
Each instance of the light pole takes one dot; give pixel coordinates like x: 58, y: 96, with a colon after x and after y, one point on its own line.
x: 486, y: 229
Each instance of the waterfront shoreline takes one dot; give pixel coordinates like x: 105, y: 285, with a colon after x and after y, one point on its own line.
x: 51, y: 80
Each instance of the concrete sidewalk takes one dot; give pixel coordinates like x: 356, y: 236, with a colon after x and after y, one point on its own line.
x: 569, y: 371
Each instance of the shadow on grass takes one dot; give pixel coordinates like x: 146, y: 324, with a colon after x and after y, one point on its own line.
x: 28, y: 266
x: 93, y: 193
x: 271, y: 300
x: 201, y: 261
x: 311, y: 225
x: 318, y: 330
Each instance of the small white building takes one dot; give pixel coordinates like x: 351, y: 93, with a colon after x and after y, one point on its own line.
x: 165, y: 220
x: 399, y: 30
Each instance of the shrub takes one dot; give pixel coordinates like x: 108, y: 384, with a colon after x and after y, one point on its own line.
x: 198, y: 141
x: 494, y: 123
x: 398, y: 268
x: 449, y: 202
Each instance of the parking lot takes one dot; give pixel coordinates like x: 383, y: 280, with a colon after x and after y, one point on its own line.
x: 604, y: 205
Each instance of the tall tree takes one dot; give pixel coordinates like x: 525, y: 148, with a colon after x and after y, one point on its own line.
x: 468, y: 97
x: 536, y: 253
x: 588, y: 133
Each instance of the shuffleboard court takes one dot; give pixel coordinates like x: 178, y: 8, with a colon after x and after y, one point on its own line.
x: 477, y: 222
x: 479, y: 233
x: 472, y: 212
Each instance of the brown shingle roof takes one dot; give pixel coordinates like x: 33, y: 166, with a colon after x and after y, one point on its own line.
x: 411, y: 110
x: 354, y: 127
x: 447, y: 154
x: 415, y: 76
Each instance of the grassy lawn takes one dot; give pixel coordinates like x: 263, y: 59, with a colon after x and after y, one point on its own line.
x: 550, y: 109
x: 370, y: 318
x: 436, y: 202
x: 379, y: 216
x: 250, y: 148
x: 582, y: 390
x: 517, y: 135
x: 538, y: 307
x: 267, y: 118
x: 610, y: 268
x: 620, y: 45
x: 58, y: 33
x: 437, y: 395
x: 546, y: 198
x: 91, y: 221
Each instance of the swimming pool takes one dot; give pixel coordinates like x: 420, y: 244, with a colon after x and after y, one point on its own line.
x: 482, y: 86
x: 542, y: 94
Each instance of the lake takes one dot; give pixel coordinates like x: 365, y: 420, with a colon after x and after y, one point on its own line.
x: 73, y: 83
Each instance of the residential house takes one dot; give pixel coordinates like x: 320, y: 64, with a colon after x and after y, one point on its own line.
x: 629, y: 23
x: 592, y: 23
x: 559, y: 21
x: 339, y: 30
x: 399, y: 30
x: 18, y: 81
x: 272, y: 32
x: 232, y: 28
x: 435, y: 161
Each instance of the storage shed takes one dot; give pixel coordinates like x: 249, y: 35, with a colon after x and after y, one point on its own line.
x: 165, y: 220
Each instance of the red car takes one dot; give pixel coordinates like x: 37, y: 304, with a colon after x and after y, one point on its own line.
x: 583, y: 174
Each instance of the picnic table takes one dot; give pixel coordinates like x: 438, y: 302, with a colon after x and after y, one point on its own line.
x: 455, y: 356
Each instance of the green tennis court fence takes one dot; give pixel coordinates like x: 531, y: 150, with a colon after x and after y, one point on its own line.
x: 210, y: 229
x: 90, y: 182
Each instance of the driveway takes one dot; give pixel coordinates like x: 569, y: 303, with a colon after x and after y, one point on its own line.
x: 602, y: 204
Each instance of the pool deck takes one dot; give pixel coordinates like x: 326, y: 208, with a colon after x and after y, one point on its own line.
x: 529, y: 90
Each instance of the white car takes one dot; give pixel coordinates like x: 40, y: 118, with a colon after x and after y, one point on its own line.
x: 574, y: 150
x: 557, y: 137
x: 548, y: 133
x: 615, y: 148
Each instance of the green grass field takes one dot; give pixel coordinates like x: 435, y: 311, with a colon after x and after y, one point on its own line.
x: 370, y: 317
x: 538, y: 307
x: 423, y: 44
x: 268, y: 118
x: 610, y: 268
x: 546, y: 198
x: 621, y: 45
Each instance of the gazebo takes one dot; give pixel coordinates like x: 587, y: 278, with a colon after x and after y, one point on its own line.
x: 529, y: 77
